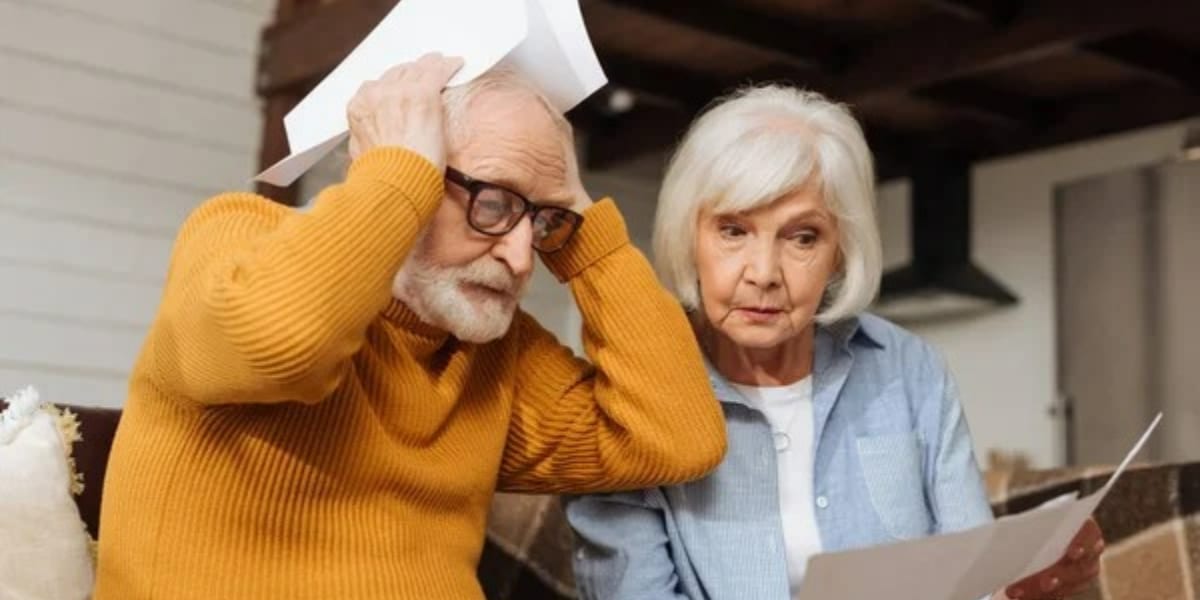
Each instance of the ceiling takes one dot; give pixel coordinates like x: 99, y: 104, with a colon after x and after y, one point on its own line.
x: 977, y: 78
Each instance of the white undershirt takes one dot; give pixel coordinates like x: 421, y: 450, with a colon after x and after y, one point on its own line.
x: 789, y: 412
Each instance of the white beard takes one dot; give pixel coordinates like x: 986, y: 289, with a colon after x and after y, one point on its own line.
x: 435, y: 293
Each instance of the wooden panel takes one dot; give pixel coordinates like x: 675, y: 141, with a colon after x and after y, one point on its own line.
x: 290, y: 56
x: 901, y: 113
x: 946, y: 47
x: 61, y: 141
x: 633, y: 33
x: 848, y: 19
x: 76, y: 247
x: 69, y: 346
x: 219, y: 27
x: 55, y: 87
x: 807, y: 45
x: 79, y: 297
x: 55, y: 385
x: 1154, y: 57
x: 52, y: 191
x: 76, y: 39
x: 1061, y: 75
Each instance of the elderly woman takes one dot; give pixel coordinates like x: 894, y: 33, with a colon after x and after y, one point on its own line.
x: 844, y: 430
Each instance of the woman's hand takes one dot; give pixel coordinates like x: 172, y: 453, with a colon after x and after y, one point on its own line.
x: 1070, y: 575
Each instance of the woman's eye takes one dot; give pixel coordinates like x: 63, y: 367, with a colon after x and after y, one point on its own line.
x: 731, y: 231
x: 805, y: 238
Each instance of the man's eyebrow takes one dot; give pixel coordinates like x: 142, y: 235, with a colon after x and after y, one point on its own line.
x: 499, y: 179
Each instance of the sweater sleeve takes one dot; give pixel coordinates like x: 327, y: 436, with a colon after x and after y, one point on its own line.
x: 642, y: 412
x: 263, y: 303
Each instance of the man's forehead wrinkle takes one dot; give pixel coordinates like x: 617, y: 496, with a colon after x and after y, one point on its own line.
x: 523, y: 159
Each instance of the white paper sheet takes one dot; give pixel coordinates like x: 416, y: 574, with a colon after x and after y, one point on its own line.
x: 545, y: 40
x: 962, y: 565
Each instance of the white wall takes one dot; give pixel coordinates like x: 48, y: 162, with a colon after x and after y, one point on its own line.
x: 1179, y: 224
x: 116, y: 119
x: 1005, y: 362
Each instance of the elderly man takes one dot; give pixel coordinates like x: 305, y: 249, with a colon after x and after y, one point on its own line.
x: 327, y: 400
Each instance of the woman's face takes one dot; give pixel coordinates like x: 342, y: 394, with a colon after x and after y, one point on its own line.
x: 763, y: 273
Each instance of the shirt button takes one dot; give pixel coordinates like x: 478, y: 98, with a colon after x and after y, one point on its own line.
x: 822, y: 502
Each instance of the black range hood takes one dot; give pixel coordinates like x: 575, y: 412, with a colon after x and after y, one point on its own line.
x: 941, y: 281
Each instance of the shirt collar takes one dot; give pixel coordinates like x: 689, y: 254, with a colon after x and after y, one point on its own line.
x: 862, y: 329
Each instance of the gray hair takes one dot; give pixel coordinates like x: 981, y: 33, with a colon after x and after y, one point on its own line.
x: 751, y: 148
x: 457, y: 100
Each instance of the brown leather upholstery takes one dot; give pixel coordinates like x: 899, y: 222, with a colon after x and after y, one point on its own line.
x: 98, y: 425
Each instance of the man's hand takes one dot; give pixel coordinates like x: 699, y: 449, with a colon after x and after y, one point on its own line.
x: 1071, y: 574
x: 404, y: 108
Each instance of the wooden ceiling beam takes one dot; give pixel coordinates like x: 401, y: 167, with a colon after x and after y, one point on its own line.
x: 306, y: 47
x: 1131, y: 107
x: 297, y: 52
x: 1006, y: 109
x: 301, y: 50
x: 613, y: 139
x: 808, y: 46
x: 994, y: 12
x: 689, y: 89
x: 1154, y: 57
x: 947, y: 48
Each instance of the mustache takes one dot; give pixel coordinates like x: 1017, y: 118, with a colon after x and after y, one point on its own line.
x: 490, y: 274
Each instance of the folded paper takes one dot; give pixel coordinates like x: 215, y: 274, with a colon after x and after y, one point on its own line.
x: 961, y: 565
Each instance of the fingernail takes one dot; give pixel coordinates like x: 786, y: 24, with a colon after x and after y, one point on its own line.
x: 1050, y: 584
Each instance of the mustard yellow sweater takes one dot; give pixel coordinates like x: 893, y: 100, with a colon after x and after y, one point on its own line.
x: 292, y: 432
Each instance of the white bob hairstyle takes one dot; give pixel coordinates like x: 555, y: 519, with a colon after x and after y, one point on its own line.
x: 748, y: 150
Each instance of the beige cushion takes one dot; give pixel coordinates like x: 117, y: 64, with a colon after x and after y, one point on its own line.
x: 45, y: 550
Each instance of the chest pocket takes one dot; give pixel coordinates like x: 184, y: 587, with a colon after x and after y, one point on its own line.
x: 891, y: 465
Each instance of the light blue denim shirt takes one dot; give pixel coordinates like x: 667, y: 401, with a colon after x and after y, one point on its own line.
x: 893, y: 461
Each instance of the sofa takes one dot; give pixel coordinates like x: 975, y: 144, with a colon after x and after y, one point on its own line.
x: 1151, y: 520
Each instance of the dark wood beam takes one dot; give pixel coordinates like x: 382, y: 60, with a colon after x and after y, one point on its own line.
x: 689, y: 89
x: 1087, y: 117
x: 613, y: 139
x: 994, y: 12
x: 297, y: 52
x: 1154, y: 57
x: 944, y: 48
x: 1003, y: 108
x: 806, y: 45
x: 314, y: 40
x: 892, y: 151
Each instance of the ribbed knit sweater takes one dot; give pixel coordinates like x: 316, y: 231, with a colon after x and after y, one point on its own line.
x: 293, y: 432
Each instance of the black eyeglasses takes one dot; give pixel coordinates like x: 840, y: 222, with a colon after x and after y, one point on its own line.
x: 496, y: 210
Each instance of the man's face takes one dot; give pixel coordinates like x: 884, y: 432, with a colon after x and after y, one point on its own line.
x: 466, y: 282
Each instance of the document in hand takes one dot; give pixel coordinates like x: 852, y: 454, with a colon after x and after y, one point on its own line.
x: 963, y: 565
x: 543, y: 40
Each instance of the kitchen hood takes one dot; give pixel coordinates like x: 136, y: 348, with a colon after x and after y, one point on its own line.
x: 942, y: 281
